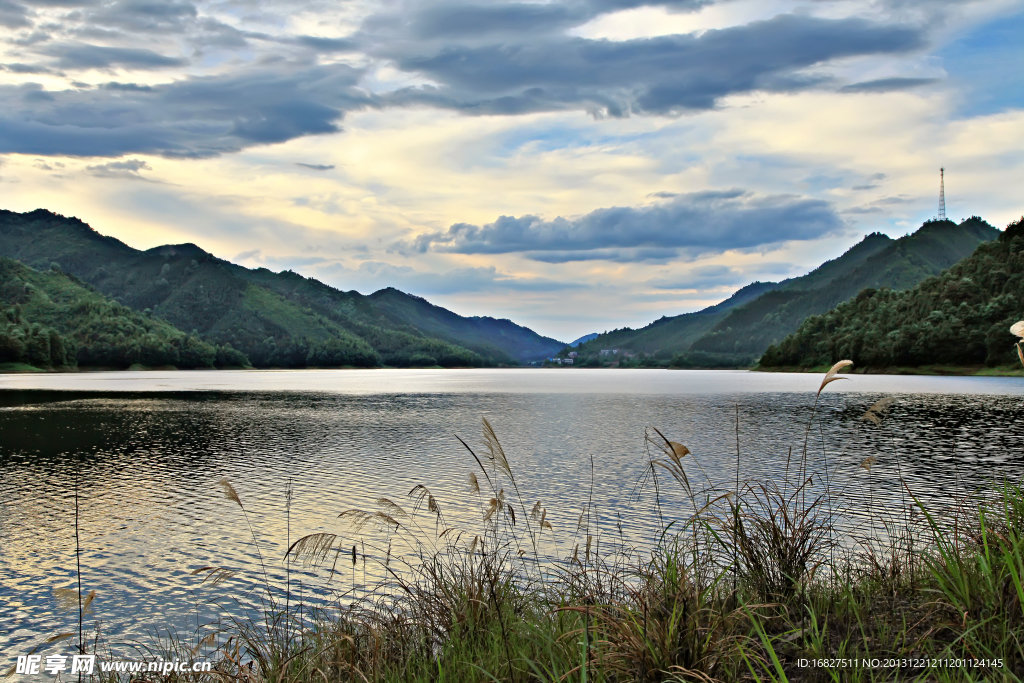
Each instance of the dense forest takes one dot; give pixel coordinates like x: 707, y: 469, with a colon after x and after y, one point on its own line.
x: 737, y: 331
x: 49, y: 319
x: 960, y: 317
x: 274, y: 319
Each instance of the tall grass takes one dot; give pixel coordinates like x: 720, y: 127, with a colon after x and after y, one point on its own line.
x: 744, y: 586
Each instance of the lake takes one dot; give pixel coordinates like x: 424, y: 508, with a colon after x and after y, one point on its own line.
x: 146, y: 451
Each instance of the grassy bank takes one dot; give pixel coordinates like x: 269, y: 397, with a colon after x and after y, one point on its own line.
x: 749, y: 581
x: 934, y: 370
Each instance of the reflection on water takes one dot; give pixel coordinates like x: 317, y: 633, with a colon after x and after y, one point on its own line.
x: 146, y: 467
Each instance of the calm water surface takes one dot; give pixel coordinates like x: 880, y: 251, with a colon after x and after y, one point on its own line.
x: 146, y: 451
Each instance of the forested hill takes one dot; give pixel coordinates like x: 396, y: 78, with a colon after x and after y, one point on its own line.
x: 747, y: 331
x: 275, y: 319
x: 667, y: 336
x: 671, y: 336
x: 737, y: 331
x: 49, y: 319
x: 476, y: 332
x: 960, y: 317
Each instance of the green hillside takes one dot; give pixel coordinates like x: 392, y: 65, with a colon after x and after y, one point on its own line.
x: 485, y: 335
x: 960, y: 317
x: 669, y: 337
x: 49, y: 319
x: 666, y: 336
x: 743, y: 335
x: 275, y: 319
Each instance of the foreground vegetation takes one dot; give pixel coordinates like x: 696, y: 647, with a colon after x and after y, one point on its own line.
x: 753, y: 582
x: 961, y: 317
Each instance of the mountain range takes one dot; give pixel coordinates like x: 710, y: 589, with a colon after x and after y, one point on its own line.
x: 737, y: 331
x: 960, y: 317
x: 71, y: 295
x: 274, y: 319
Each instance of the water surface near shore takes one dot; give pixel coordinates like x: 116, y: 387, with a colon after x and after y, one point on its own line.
x: 147, y: 448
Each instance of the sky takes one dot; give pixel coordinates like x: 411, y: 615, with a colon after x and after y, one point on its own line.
x: 575, y: 166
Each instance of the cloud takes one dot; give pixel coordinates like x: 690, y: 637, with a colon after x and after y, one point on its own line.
x: 316, y: 167
x: 192, y: 117
x: 888, y: 85
x: 121, y: 170
x: 82, y: 56
x: 246, y: 255
x: 18, y: 68
x: 326, y: 44
x: 477, y: 58
x: 666, y: 75
x: 649, y: 255
x: 163, y: 16
x: 13, y: 15
x: 718, y: 275
x: 452, y: 281
x: 699, y: 222
x: 44, y: 166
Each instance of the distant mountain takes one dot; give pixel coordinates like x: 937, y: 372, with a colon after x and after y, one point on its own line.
x: 485, y: 335
x: 584, y: 338
x: 743, y: 335
x: 959, y: 317
x: 735, y: 332
x: 666, y: 336
x: 275, y: 319
x: 49, y: 319
x: 669, y: 336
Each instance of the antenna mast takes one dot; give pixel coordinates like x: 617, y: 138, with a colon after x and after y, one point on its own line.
x: 942, y: 194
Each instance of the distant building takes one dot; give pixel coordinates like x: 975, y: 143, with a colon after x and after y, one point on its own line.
x: 567, y: 361
x: 609, y: 352
x: 573, y: 354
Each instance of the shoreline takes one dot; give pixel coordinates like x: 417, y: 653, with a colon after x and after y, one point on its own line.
x: 923, y: 370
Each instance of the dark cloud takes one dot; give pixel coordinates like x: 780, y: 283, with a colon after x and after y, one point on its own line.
x: 481, y: 22
x: 663, y: 75
x: 13, y: 15
x: 194, y: 117
x: 27, y: 40
x: 888, y: 84
x: 326, y: 44
x: 480, y: 58
x: 63, y: 3
x: 648, y: 255
x: 127, y: 87
x: 316, y: 167
x: 663, y: 194
x: 464, y: 20
x: 82, y: 56
x: 121, y: 170
x: 695, y: 223
x: 164, y: 16
x: 27, y: 69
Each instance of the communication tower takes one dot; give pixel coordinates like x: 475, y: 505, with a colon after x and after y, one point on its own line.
x: 942, y: 194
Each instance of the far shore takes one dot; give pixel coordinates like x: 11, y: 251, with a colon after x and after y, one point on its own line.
x: 929, y: 370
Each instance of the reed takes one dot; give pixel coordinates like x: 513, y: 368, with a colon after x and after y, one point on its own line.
x: 749, y: 582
